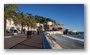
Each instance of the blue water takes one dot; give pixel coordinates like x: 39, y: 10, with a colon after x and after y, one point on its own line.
x: 80, y: 36
x: 77, y: 36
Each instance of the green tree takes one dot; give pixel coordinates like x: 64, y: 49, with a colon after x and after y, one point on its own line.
x: 17, y: 19
x: 66, y: 31
x: 41, y: 19
x: 20, y: 19
x: 30, y: 21
x: 40, y: 28
x: 46, y: 27
x: 9, y: 12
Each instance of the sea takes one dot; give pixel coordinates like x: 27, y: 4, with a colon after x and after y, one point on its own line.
x: 79, y: 36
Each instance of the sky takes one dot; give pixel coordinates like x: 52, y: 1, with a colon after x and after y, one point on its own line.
x: 71, y: 15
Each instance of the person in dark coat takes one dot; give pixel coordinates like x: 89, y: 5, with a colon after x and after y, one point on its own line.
x: 24, y: 31
x: 38, y: 32
x: 33, y: 32
x: 29, y: 33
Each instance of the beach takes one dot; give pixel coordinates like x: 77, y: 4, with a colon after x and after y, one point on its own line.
x: 67, y: 43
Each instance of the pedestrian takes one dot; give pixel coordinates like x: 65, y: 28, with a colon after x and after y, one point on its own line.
x: 24, y: 31
x: 33, y: 32
x: 29, y: 33
x: 38, y: 32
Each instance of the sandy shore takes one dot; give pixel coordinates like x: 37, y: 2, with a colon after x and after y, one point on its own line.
x: 67, y: 43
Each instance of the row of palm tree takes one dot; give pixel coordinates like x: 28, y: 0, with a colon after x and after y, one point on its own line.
x: 18, y: 18
x: 25, y: 19
x: 11, y: 12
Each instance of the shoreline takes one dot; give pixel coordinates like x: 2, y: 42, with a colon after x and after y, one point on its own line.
x: 67, y: 43
x: 73, y: 38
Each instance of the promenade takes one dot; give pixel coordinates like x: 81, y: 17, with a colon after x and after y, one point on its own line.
x: 39, y: 42
x: 21, y: 42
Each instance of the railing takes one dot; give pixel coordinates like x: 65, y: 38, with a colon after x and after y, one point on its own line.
x: 46, y: 44
x: 51, y: 40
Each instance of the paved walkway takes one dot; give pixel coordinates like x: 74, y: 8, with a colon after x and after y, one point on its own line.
x: 21, y: 42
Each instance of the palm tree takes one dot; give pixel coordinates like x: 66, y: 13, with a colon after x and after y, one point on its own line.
x: 9, y: 12
x: 17, y: 19
x: 20, y: 19
x: 31, y: 21
x: 28, y: 21
x: 40, y: 28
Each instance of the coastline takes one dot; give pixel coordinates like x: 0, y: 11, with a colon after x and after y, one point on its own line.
x: 73, y: 38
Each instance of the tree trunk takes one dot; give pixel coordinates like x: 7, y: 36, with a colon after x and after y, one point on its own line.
x: 31, y: 28
x: 10, y: 21
x: 4, y: 27
x: 22, y: 28
x: 28, y: 28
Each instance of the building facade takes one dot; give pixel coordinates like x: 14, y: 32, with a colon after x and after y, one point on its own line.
x: 56, y: 26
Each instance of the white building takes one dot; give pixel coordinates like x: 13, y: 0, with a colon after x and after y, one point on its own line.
x: 49, y: 23
x: 74, y: 31
x: 10, y: 24
x: 55, y: 26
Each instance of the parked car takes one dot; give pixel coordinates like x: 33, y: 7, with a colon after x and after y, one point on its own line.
x: 15, y: 32
x: 7, y: 31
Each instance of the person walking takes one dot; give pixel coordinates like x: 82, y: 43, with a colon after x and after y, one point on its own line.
x: 38, y: 32
x: 29, y: 33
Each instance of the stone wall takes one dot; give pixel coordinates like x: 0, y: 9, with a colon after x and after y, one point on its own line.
x: 54, y: 32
